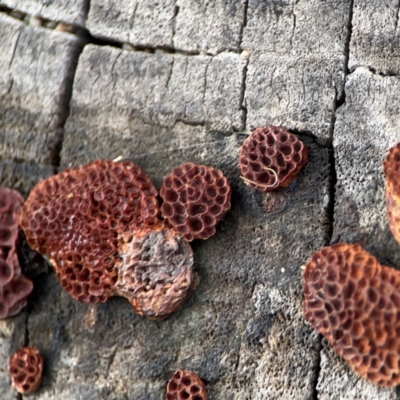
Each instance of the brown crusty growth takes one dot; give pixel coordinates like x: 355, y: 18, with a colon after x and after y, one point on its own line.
x: 186, y: 385
x: 76, y: 218
x: 196, y: 198
x: 392, y: 173
x: 157, y: 274
x: 354, y: 301
x: 26, y: 368
x: 271, y: 157
x: 100, y: 228
x: 14, y: 287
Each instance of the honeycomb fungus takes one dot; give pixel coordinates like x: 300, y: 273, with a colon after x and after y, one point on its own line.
x: 26, y: 368
x: 196, y: 197
x: 354, y: 302
x: 186, y: 385
x: 157, y: 272
x: 392, y: 173
x: 14, y: 287
x: 77, y: 219
x: 271, y: 157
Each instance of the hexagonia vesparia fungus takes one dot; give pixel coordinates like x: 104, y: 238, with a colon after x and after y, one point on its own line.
x: 354, y: 301
x: 100, y: 227
x: 392, y: 173
x: 186, y: 385
x: 196, y: 198
x: 271, y: 157
x: 14, y: 286
x: 26, y: 369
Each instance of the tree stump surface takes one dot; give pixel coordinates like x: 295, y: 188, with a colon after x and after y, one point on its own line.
x: 170, y: 81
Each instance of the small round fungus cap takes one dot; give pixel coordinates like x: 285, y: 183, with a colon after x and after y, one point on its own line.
x: 271, y: 157
x: 196, y: 198
x: 26, y: 369
x: 14, y: 287
x: 186, y: 385
x: 392, y: 173
x: 354, y: 301
x: 77, y: 219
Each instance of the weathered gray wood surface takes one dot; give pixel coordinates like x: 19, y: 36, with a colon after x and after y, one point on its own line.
x: 71, y: 11
x: 181, y: 81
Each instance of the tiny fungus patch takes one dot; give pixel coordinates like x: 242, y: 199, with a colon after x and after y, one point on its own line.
x: 14, y: 286
x: 186, y: 385
x: 101, y: 229
x: 354, y: 301
x: 271, y: 157
x: 26, y: 369
x: 196, y: 198
x: 392, y: 173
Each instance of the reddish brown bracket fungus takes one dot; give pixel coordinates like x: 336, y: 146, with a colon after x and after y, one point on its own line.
x: 271, y: 157
x: 26, y: 369
x: 186, y: 385
x: 94, y: 224
x: 196, y: 198
x: 392, y: 173
x: 14, y: 287
x: 354, y: 301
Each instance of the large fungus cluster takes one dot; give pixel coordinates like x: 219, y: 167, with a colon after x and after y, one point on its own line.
x: 26, y: 369
x: 196, y: 198
x: 101, y: 229
x: 271, y: 157
x: 186, y: 385
x: 77, y: 219
x: 354, y: 301
x: 14, y: 287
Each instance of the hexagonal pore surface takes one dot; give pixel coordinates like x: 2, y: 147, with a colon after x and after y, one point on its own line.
x: 26, y: 369
x: 14, y: 287
x: 354, y: 302
x: 186, y: 385
x: 392, y: 173
x: 76, y: 218
x: 271, y: 157
x: 196, y: 198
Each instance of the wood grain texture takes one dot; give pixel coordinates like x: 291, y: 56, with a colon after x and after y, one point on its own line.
x: 37, y: 66
x: 375, y: 40
x: 70, y: 12
x: 141, y: 23
x: 296, y: 70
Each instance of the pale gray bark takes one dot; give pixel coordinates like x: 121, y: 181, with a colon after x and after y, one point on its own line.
x: 147, y: 23
x: 296, y: 71
x: 70, y: 11
x: 37, y: 67
x: 375, y: 41
x: 200, y: 26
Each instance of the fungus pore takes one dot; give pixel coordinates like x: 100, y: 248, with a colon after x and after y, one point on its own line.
x: 354, y: 301
x: 392, y: 173
x: 271, y: 157
x: 14, y: 287
x: 196, y: 198
x: 186, y: 385
x: 26, y: 369
x: 93, y: 223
